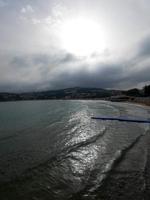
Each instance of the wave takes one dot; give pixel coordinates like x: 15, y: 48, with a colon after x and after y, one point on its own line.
x: 84, y: 143
x: 97, y: 181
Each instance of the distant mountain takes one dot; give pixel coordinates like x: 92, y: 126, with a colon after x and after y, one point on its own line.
x: 69, y: 93
x: 74, y: 93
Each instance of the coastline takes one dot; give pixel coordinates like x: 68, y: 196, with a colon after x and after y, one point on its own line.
x: 141, y: 102
x: 145, y: 101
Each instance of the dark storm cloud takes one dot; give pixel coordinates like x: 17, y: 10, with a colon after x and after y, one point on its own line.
x: 142, y: 75
x: 52, y: 59
x: 144, y: 47
x: 104, y: 76
x: 32, y: 72
x: 43, y: 59
x: 110, y: 75
x: 55, y: 71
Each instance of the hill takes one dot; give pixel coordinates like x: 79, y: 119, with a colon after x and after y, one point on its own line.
x: 80, y: 93
x: 69, y: 93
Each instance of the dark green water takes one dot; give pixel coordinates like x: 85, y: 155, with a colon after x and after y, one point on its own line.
x: 54, y: 150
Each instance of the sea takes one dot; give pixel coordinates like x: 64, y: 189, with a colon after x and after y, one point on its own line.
x: 54, y: 150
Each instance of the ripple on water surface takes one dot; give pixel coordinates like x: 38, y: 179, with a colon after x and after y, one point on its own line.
x: 54, y: 150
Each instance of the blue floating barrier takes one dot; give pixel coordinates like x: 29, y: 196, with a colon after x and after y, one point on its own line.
x: 122, y: 119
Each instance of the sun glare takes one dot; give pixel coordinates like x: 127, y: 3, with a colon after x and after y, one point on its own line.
x: 82, y: 36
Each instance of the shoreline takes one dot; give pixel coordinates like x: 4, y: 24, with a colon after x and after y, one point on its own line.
x: 145, y: 103
x: 140, y: 103
x: 137, y: 100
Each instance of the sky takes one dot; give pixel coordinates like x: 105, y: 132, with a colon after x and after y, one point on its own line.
x: 55, y: 44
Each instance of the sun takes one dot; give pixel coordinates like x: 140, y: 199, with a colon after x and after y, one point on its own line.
x: 82, y: 36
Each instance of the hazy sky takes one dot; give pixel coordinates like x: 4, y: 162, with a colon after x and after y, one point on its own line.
x: 52, y: 44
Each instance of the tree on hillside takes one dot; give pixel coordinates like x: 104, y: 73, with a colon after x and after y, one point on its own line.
x: 133, y: 92
x: 147, y: 90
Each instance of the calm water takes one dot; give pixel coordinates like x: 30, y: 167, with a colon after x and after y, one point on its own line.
x: 54, y: 150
